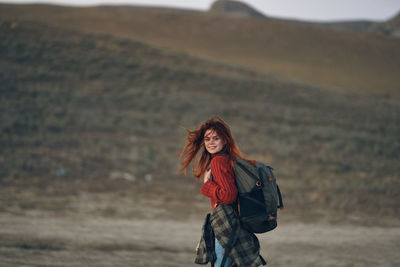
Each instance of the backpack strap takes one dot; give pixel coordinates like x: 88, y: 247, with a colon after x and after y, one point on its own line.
x: 280, y: 206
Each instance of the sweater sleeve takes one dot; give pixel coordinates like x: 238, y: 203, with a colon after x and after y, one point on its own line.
x: 223, y: 189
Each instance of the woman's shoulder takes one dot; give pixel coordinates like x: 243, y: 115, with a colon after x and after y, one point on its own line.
x: 220, y: 160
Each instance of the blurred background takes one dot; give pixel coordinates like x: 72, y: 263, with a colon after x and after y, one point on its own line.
x: 95, y: 95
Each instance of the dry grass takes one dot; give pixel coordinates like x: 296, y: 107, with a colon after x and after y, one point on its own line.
x: 74, y: 110
x: 363, y: 63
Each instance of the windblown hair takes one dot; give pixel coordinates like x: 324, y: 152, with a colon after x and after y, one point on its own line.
x: 195, y: 144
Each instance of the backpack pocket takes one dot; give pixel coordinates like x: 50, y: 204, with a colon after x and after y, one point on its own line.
x: 258, y: 223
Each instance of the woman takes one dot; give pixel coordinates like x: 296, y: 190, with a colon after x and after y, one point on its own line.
x: 221, y: 230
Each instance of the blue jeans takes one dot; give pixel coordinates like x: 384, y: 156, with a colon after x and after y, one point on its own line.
x: 218, y: 252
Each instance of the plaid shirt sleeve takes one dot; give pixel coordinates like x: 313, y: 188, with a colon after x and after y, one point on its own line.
x: 206, y: 251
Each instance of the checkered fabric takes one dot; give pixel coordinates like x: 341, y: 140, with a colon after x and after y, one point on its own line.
x: 206, y: 250
x: 224, y: 224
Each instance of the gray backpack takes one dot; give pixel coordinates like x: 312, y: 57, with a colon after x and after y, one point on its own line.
x: 259, y: 196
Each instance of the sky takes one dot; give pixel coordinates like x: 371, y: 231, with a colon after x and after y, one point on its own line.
x: 314, y: 10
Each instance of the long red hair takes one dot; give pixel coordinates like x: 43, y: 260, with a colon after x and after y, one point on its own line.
x: 195, y: 144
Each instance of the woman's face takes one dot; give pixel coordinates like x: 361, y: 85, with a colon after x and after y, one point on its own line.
x: 213, y: 142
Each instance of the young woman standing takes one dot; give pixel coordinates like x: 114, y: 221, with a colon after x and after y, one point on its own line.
x: 221, y: 231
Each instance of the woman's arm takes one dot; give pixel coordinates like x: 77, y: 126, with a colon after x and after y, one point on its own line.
x: 223, y: 189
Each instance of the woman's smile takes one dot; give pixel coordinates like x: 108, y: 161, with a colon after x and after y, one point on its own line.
x: 212, y: 142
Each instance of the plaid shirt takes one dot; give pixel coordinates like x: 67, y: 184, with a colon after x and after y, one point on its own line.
x: 224, y: 224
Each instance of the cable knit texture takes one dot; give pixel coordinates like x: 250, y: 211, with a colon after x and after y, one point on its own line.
x: 223, y: 189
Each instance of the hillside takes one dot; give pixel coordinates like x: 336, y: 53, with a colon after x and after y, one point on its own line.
x: 358, y: 62
x: 240, y: 9
x: 393, y: 25
x: 390, y: 27
x: 79, y: 108
x: 234, y: 8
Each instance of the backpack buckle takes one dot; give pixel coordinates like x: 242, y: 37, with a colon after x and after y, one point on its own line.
x: 258, y: 184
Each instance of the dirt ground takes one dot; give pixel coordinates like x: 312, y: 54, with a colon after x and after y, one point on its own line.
x: 37, y: 239
x: 60, y: 224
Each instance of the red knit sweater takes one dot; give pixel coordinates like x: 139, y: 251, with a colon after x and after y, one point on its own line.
x: 223, y: 190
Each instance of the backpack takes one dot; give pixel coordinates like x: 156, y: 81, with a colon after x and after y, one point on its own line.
x: 259, y: 196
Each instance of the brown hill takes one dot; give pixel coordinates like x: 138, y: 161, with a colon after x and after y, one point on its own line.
x: 390, y: 27
x: 234, y: 8
x: 359, y: 62
x: 88, y: 107
x: 393, y: 25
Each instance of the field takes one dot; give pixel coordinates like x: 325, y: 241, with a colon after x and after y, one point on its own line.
x: 91, y: 124
x: 359, y: 62
x: 121, y: 227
